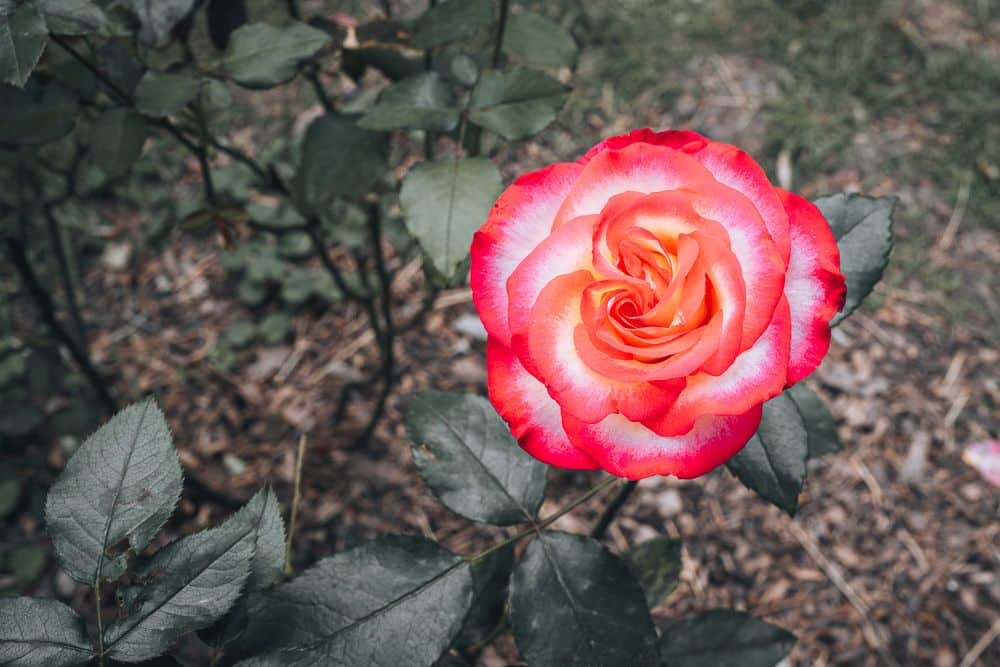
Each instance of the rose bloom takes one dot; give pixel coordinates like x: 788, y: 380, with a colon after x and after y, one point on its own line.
x: 643, y: 302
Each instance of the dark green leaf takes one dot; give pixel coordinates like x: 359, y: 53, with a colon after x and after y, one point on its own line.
x: 451, y: 21
x: 193, y: 582
x: 398, y: 600
x: 37, y: 631
x: 421, y: 102
x: 121, y: 64
x: 161, y: 93
x: 262, y: 55
x: 724, y: 638
x: 445, y: 202
x: 516, y: 103
x: 36, y: 114
x: 158, y: 17
x: 467, y: 456
x: 27, y: 562
x: 23, y: 36
x: 657, y: 565
x: 339, y: 159
x: 863, y: 229
x: 240, y: 333
x: 161, y: 661
x: 535, y: 39
x: 274, y: 328
x: 72, y: 17
x: 266, y: 565
x: 773, y: 463
x: 10, y: 495
x: 19, y: 418
x: 117, y: 139
x: 491, y: 581
x: 268, y: 532
x: 573, y: 602
x: 821, y: 428
x: 77, y: 419
x: 123, y: 482
x: 224, y: 16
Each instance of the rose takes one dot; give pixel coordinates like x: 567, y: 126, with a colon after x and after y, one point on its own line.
x: 643, y: 302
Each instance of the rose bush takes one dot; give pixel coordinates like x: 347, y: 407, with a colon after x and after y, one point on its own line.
x: 643, y: 302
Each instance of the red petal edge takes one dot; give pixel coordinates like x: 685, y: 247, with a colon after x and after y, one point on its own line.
x: 518, y: 222
x: 631, y: 450
x: 814, y: 286
x: 533, y: 416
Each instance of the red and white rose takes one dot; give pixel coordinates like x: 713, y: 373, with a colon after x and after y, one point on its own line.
x: 643, y: 302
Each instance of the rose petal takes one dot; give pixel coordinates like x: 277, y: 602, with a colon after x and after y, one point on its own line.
x: 755, y: 376
x: 728, y: 165
x: 639, y: 168
x: 548, y: 350
x: 631, y: 450
x: 519, y: 221
x: 814, y: 285
x: 567, y: 250
x: 534, y: 418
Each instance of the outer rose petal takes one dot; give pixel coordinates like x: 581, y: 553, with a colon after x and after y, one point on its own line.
x: 534, y: 418
x: 639, y: 168
x: 757, y: 375
x: 728, y: 164
x: 520, y: 220
x: 631, y: 450
x: 814, y: 286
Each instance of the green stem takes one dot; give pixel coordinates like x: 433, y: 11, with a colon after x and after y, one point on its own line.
x: 611, y: 510
x: 501, y: 29
x: 475, y: 138
x: 546, y: 522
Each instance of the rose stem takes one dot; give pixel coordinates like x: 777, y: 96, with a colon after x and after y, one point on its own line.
x: 611, y: 510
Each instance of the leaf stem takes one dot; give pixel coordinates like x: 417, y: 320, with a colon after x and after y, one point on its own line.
x: 387, y: 340
x: 612, y: 509
x: 100, y: 621
x: 296, y: 499
x: 547, y: 521
x: 475, y: 141
x: 501, y: 29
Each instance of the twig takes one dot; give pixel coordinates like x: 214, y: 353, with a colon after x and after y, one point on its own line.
x: 980, y: 646
x: 957, y: 214
x: 65, y: 276
x: 296, y: 498
x: 612, y: 509
x: 873, y: 634
x: 313, y: 230
x: 48, y: 313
